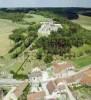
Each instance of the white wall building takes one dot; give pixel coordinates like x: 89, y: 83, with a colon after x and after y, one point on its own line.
x: 35, y: 79
x: 35, y: 76
x: 47, y: 27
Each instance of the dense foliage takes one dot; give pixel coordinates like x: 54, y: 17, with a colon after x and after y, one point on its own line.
x: 48, y: 58
x: 14, y: 16
x: 39, y: 53
x: 54, y: 44
x: 63, y: 40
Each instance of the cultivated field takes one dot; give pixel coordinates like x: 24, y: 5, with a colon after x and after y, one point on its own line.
x: 84, y: 21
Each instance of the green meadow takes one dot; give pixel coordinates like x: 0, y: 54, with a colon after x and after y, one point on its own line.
x: 84, y: 21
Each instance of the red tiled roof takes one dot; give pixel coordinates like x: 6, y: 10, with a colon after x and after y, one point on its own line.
x: 86, y: 80
x: 19, y: 89
x: 36, y: 96
x: 51, y: 86
x: 58, y: 67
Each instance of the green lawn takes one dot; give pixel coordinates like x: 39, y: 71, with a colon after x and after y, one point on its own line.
x: 34, y: 18
x: 84, y: 21
x: 82, y: 61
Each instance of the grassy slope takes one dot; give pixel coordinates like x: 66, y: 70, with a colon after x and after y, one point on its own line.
x: 84, y: 21
x: 6, y: 27
x: 5, y: 31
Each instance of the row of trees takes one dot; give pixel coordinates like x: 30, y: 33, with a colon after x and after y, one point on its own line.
x: 23, y: 38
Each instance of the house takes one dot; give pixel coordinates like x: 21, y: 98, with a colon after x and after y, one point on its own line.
x: 51, y: 86
x: 16, y: 92
x: 86, y: 79
x: 55, y: 85
x: 47, y: 27
x: 63, y: 69
x: 80, y: 78
x: 36, y: 96
x: 20, y: 88
x: 35, y: 76
x: 56, y: 89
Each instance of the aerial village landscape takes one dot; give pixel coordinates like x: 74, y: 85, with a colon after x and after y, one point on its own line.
x: 56, y: 82
x: 45, y: 53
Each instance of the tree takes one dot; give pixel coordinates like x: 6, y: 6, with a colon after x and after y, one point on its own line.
x: 48, y: 58
x: 39, y: 53
x: 17, y: 35
x: 22, y: 40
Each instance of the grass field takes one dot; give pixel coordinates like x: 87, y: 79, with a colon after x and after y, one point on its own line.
x: 84, y: 21
x: 82, y: 61
x: 6, y: 27
x: 34, y: 18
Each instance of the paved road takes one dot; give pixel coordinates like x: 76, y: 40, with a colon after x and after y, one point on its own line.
x: 9, y: 82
